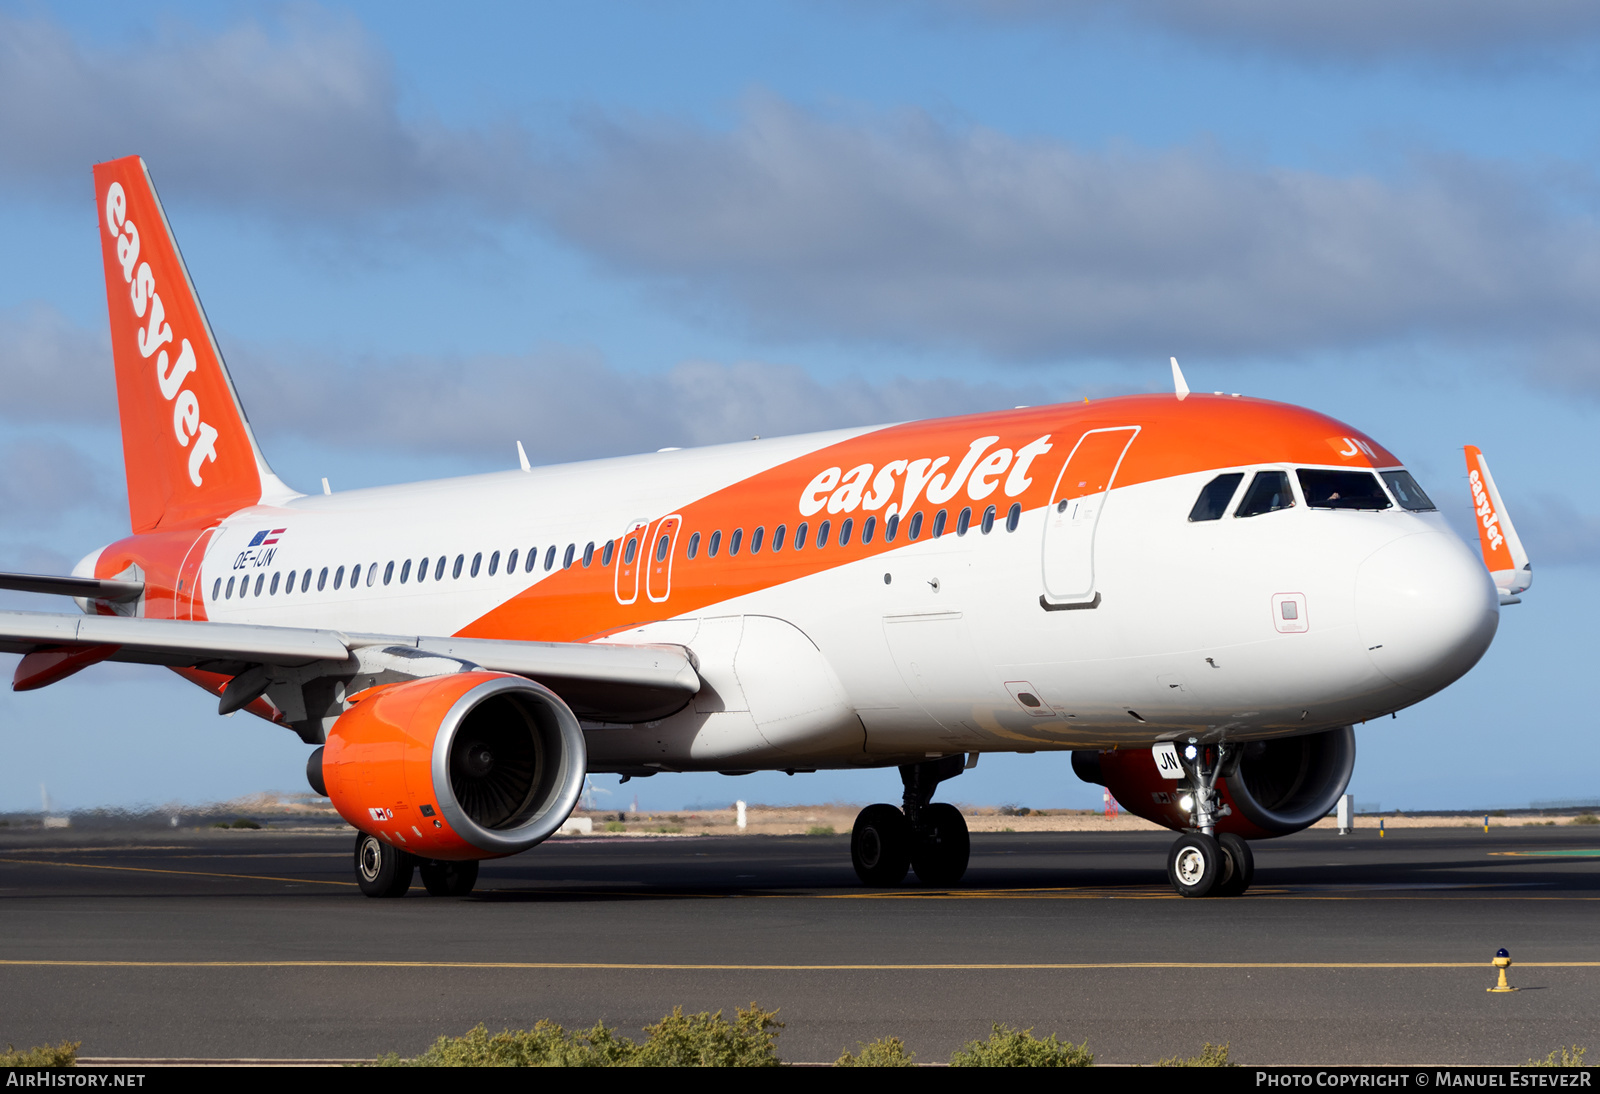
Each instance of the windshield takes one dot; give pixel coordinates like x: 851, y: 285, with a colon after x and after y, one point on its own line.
x: 1269, y: 491
x: 1342, y: 489
x: 1214, y: 499
x: 1407, y: 492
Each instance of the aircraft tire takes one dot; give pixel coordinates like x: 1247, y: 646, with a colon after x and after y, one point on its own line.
x: 942, y: 847
x: 1243, y: 862
x: 880, y: 845
x: 382, y: 870
x: 449, y: 878
x: 1195, y: 864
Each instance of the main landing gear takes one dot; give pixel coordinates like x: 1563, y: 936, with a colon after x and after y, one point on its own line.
x: 383, y: 870
x: 927, y: 837
x: 1200, y: 862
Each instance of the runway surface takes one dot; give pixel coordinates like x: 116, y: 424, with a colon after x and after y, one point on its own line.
x: 1349, y: 949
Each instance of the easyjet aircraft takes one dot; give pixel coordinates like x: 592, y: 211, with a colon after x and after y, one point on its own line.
x: 1196, y: 595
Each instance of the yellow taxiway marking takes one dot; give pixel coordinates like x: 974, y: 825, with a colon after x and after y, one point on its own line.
x: 632, y: 966
x: 184, y: 873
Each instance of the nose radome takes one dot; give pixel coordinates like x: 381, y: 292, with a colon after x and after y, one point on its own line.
x: 1425, y: 609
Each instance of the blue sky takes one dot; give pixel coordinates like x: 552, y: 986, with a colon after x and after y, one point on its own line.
x: 603, y: 228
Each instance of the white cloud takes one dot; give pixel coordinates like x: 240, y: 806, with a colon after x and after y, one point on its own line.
x: 567, y: 404
x: 297, y: 117
x: 913, y: 232
x: 1349, y: 30
x: 898, y: 230
x: 52, y: 370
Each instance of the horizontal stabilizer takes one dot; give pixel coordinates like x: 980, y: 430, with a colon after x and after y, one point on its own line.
x: 88, y: 588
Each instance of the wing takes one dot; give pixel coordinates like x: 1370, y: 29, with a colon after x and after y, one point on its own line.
x: 600, y: 681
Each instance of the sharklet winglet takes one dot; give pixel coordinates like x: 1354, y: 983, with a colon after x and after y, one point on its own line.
x: 1180, y: 385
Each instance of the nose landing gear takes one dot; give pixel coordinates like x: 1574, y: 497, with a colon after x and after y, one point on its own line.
x: 1201, y: 862
x: 928, y: 837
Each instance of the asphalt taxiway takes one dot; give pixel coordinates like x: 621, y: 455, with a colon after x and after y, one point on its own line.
x: 1349, y: 949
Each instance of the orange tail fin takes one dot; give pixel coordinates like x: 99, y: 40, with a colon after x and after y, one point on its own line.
x: 188, y: 450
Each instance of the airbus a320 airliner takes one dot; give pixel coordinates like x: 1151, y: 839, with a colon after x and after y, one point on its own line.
x: 1197, y: 595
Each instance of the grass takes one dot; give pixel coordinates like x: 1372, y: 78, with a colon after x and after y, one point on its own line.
x: 884, y: 1052
x: 1008, y: 1047
x: 678, y: 1040
x: 63, y: 1055
x: 1562, y: 1057
x: 668, y: 829
x: 1586, y: 818
x: 823, y: 830
x: 241, y: 822
x: 1210, y: 1056
x: 615, y: 826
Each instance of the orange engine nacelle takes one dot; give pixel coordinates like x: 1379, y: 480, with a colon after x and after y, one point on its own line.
x: 1277, y: 787
x: 467, y: 766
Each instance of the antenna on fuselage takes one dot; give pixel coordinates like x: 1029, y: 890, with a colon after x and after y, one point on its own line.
x: 1178, y: 382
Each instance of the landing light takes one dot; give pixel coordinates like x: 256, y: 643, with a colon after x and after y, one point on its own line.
x: 1186, y: 803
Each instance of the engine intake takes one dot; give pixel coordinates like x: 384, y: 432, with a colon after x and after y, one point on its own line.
x: 1275, y: 788
x: 466, y: 766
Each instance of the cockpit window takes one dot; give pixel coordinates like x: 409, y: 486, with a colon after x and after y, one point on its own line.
x: 1214, y: 499
x: 1269, y: 491
x: 1342, y: 489
x: 1407, y: 492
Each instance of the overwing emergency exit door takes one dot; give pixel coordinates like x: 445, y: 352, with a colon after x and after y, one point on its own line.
x: 1077, y: 507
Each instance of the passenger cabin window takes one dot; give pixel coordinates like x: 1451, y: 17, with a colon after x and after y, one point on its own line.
x: 1269, y: 491
x: 1215, y: 496
x: 938, y: 523
x: 511, y: 562
x: 610, y: 549
x: 571, y: 553
x: 388, y: 572
x: 1013, y: 516
x: 438, y: 569
x: 305, y: 580
x: 494, y: 563
x: 734, y: 540
x: 477, y: 562
x: 422, y: 570
x: 800, y: 535
x: 550, y: 558
x: 533, y: 560
x: 455, y: 571
x: 216, y: 589
x: 868, y: 526
x: 338, y: 577
x: 755, y: 539
x: 714, y: 544
x: 694, y: 545
x: 588, y: 554
x: 259, y: 579
x: 777, y: 536
x: 322, y: 580
x: 916, y: 525
x: 1407, y: 492
x: 405, y: 571
x: 632, y: 549
x: 963, y: 521
x: 822, y: 533
x: 844, y: 531
x: 988, y: 520
x: 891, y: 527
x: 1341, y: 489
